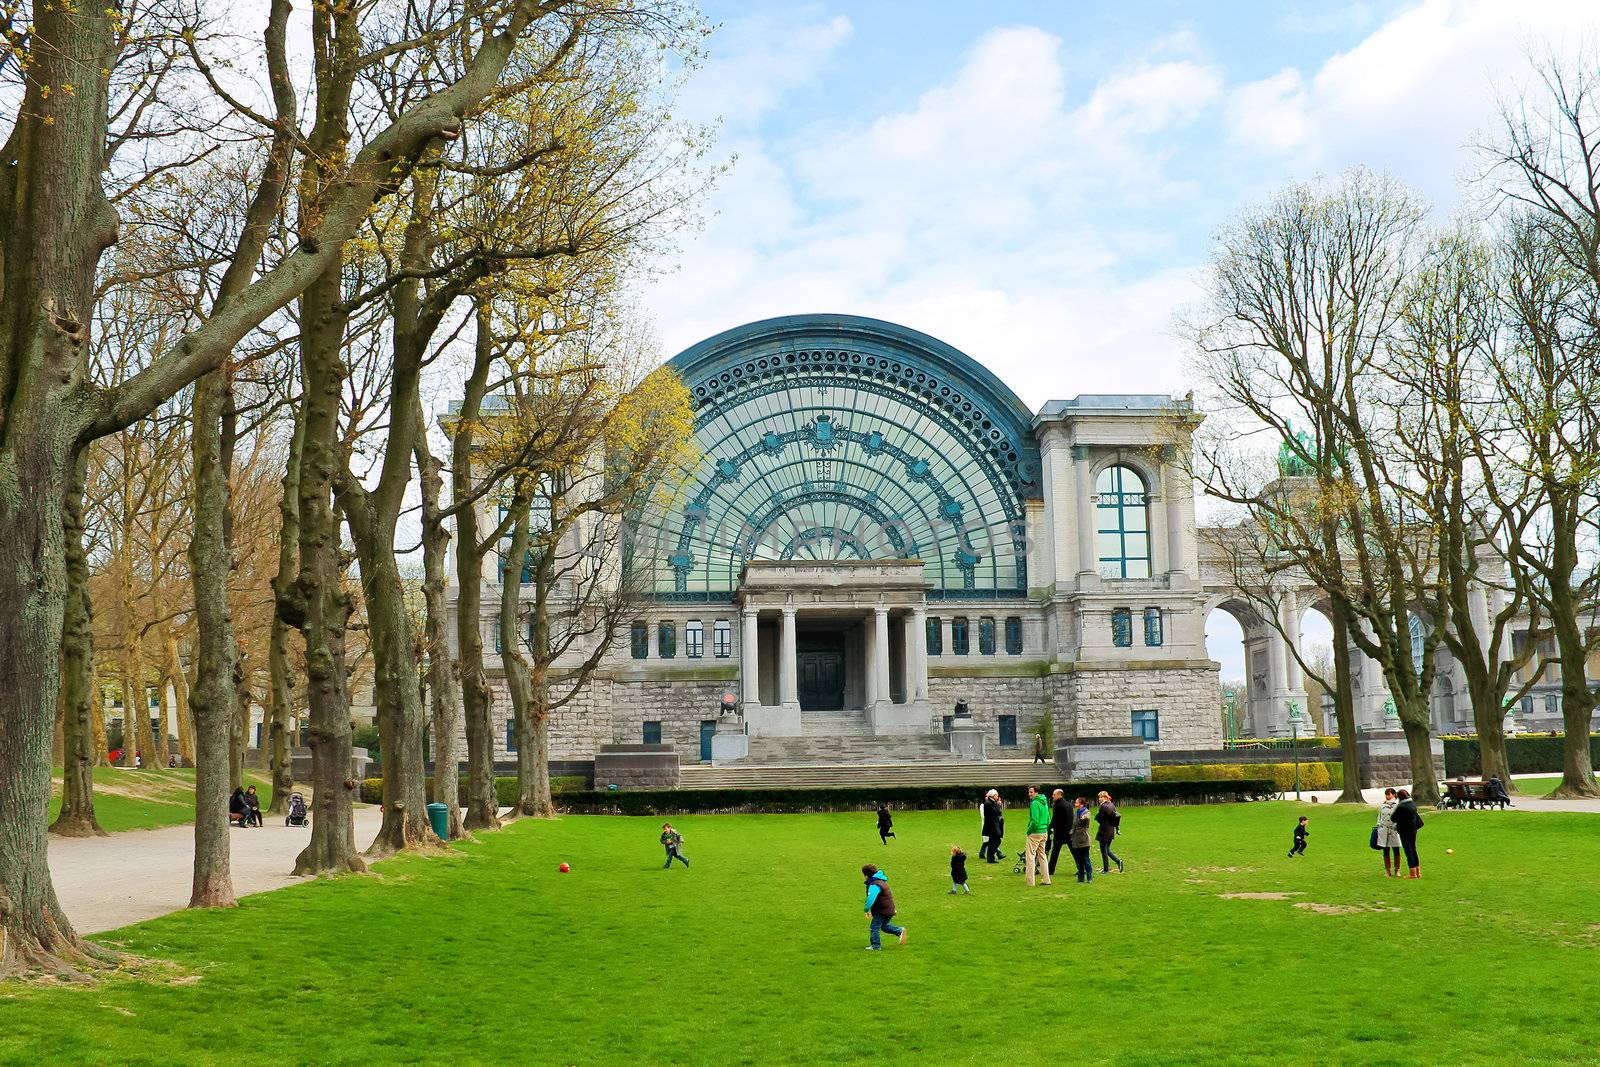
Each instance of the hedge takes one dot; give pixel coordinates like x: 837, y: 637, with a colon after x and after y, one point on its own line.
x: 867, y: 798
x: 1526, y: 754
x: 1281, y: 775
x: 505, y: 789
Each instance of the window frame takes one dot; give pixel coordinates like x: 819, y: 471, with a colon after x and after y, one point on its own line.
x: 1155, y: 630
x: 1113, y: 507
x: 721, y: 639
x: 511, y: 733
x: 694, y: 639
x: 639, y: 639
x: 960, y: 636
x: 933, y: 635
x: 666, y: 639
x: 1122, y: 627
x: 986, y: 635
x: 645, y: 731
x: 1014, y: 635
x: 1148, y: 736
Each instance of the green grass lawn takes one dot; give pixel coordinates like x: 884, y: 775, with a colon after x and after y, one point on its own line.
x: 1538, y: 787
x: 754, y: 955
x: 126, y: 799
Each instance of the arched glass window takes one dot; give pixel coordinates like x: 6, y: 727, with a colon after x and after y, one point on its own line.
x: 1122, y: 514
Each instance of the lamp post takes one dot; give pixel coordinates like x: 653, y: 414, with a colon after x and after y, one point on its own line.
x: 1294, y: 741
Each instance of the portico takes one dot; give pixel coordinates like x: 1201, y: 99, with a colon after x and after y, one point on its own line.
x: 845, y: 638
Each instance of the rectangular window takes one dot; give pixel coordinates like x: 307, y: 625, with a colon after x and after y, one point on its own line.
x: 1552, y: 704
x: 497, y: 637
x: 652, y: 732
x: 1122, y: 628
x: 640, y: 638
x: 511, y: 735
x: 694, y: 639
x: 722, y: 638
x: 935, y: 636
x: 1147, y: 725
x: 667, y: 640
x: 958, y: 635
x: 155, y: 699
x: 986, y: 636
x: 1152, y: 627
x: 1008, y: 731
x: 1013, y: 635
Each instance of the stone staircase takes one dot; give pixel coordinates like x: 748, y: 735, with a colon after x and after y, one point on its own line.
x: 882, y: 775
x: 844, y: 737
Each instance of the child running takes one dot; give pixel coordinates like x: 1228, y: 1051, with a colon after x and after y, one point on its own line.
x: 880, y: 904
x: 885, y: 823
x: 672, y: 841
x: 1300, y: 835
x: 958, y: 870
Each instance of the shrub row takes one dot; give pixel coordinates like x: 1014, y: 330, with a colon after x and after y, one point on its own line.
x: 505, y: 789
x: 1527, y: 755
x: 1281, y: 775
x: 866, y: 798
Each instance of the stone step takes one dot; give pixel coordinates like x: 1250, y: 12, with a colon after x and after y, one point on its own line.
x: 846, y: 748
x: 739, y: 776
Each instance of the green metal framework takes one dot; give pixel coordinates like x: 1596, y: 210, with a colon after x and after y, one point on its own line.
x: 833, y: 437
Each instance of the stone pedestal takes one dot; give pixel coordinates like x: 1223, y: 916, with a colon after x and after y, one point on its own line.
x: 1103, y: 759
x: 770, y: 721
x: 888, y: 719
x: 1386, y: 759
x: 968, y: 740
x: 730, y: 742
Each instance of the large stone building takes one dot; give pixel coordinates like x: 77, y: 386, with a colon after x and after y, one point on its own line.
x: 878, y: 528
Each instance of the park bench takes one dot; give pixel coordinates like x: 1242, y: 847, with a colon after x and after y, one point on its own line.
x: 1464, y: 794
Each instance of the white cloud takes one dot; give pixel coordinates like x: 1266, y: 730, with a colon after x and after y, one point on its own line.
x: 754, y: 62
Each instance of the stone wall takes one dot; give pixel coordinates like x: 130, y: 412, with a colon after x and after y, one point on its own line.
x: 1091, y: 701
x: 989, y: 698
x: 679, y: 706
x: 636, y: 767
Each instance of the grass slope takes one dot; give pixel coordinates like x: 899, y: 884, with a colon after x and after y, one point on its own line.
x: 754, y: 955
x: 127, y: 799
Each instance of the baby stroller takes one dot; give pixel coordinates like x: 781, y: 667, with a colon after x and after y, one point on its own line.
x: 297, y: 811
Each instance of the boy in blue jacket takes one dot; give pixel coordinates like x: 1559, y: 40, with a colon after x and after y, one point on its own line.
x: 880, y: 904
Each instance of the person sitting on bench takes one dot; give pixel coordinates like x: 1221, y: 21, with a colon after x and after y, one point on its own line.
x: 238, y: 810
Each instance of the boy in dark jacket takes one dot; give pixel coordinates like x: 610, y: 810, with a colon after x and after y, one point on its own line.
x: 958, y: 870
x: 885, y: 823
x: 672, y: 841
x: 880, y: 905
x: 1300, y: 834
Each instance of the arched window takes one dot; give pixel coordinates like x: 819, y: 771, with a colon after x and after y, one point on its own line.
x: 1122, y: 512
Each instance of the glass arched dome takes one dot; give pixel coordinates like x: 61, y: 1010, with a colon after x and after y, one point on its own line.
x: 831, y: 437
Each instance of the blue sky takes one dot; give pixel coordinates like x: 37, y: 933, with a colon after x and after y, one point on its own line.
x: 1038, y: 183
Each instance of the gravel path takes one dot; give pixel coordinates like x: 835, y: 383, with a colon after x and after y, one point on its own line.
x: 107, y: 882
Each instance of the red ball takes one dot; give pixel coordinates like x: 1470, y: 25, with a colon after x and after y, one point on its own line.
x: 565, y: 868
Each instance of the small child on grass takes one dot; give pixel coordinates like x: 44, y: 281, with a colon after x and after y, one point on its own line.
x: 958, y: 870
x: 1300, y: 834
x: 880, y: 905
x: 672, y: 841
x: 885, y: 823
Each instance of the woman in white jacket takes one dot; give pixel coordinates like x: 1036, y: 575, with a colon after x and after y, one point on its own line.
x: 1388, y: 838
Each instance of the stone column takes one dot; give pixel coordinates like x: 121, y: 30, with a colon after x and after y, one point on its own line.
x: 869, y: 676
x: 1087, y: 520
x: 917, y: 657
x: 880, y: 653
x: 788, y: 685
x: 1176, y: 486
x: 749, y: 665
x: 1289, y: 619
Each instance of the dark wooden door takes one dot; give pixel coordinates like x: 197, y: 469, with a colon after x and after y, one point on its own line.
x: 820, y: 669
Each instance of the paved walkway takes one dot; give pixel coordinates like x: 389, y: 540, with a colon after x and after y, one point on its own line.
x: 1518, y: 803
x: 107, y: 882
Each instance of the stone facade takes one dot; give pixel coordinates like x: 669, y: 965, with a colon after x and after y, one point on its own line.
x: 1099, y: 700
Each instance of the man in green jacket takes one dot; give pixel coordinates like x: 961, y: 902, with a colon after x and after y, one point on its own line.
x: 1038, y: 834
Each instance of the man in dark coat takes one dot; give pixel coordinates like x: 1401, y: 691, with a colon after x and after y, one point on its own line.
x: 994, y: 827
x: 1060, y: 825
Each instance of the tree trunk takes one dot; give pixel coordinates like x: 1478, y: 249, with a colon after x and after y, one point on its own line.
x: 239, y: 727
x: 1344, y: 707
x: 400, y: 715
x: 482, y: 803
x: 213, y: 698
x: 1419, y: 742
x: 179, y: 681
x: 319, y: 606
x: 76, y: 818
x: 97, y: 720
x: 443, y: 678
x: 1577, y: 702
x: 280, y: 678
x: 531, y: 766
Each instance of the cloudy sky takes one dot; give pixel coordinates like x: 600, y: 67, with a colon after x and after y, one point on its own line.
x: 1038, y: 183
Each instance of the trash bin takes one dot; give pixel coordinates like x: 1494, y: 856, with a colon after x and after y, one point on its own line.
x: 439, y: 816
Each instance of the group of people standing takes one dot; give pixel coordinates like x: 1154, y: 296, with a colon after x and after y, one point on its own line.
x: 1396, y: 832
x: 1055, y: 823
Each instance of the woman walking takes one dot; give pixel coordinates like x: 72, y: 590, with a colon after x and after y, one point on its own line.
x: 1078, y: 840
x: 994, y: 827
x: 1108, y: 819
x: 1387, y: 837
x: 1407, y: 821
